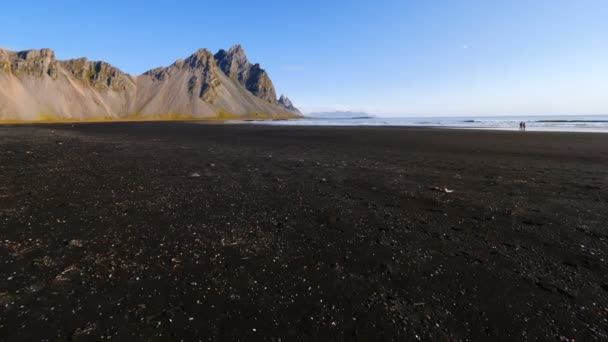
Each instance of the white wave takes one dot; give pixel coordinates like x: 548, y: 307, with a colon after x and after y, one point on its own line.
x: 533, y: 123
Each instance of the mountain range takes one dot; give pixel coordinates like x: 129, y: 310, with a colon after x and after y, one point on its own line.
x: 35, y: 86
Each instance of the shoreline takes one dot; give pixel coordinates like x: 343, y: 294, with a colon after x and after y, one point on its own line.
x: 493, y: 129
x: 276, y: 123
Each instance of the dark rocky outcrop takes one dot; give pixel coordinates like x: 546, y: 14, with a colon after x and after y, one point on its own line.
x: 34, y: 63
x: 100, y: 75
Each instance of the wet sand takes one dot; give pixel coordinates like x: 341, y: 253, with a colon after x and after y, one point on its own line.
x: 186, y: 231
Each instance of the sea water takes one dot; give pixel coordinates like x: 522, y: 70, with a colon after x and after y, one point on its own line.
x: 560, y: 123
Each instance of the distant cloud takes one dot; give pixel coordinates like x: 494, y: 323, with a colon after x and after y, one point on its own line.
x: 465, y: 46
x: 293, y: 68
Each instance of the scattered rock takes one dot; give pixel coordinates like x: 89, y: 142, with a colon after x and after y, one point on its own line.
x: 554, y: 289
x: 45, y: 261
x: 5, y: 298
x: 445, y: 190
x: 35, y: 288
x: 75, y: 244
x: 66, y: 275
x: 85, y: 331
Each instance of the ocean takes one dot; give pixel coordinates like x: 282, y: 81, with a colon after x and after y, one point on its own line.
x: 559, y: 123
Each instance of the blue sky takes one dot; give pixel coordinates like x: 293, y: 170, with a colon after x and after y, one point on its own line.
x: 392, y: 57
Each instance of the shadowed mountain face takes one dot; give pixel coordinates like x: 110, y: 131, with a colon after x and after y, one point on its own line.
x: 35, y: 86
x: 286, y: 103
x: 234, y: 63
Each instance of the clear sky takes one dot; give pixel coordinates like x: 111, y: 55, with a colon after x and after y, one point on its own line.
x: 393, y: 57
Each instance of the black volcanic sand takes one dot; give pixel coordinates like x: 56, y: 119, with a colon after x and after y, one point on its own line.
x: 186, y: 231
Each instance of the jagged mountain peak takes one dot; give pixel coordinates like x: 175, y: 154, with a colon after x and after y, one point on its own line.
x: 286, y: 103
x: 233, y: 63
x: 236, y: 66
x: 237, y: 49
x: 235, y: 52
x: 201, y: 58
x: 201, y: 53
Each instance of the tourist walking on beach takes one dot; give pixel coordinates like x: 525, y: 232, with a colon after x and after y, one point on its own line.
x: 521, y: 125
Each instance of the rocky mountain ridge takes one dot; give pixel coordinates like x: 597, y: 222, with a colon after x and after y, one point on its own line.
x: 34, y: 86
x: 235, y: 65
x: 285, y: 102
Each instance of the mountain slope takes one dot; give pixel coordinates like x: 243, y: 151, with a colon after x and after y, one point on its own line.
x: 35, y: 86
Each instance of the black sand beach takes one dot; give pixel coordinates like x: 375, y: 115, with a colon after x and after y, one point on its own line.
x: 185, y: 231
